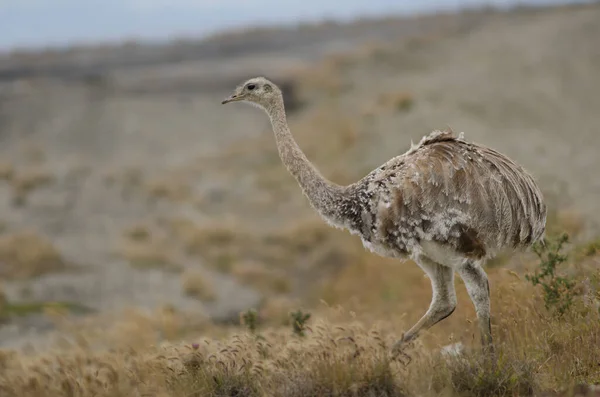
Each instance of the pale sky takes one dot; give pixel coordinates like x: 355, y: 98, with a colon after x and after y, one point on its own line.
x: 60, y: 22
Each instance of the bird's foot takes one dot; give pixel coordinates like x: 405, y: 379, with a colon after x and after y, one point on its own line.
x: 398, y: 351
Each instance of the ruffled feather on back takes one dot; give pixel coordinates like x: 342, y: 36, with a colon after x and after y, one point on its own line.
x: 449, y: 191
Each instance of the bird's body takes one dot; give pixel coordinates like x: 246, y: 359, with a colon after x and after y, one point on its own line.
x: 445, y: 193
x: 447, y: 204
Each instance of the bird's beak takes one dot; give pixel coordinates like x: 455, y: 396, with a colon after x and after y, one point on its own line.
x: 233, y: 98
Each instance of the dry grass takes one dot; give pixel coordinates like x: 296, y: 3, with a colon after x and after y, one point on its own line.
x: 269, y: 260
x: 28, y: 254
x: 344, y: 351
x: 24, y: 181
x: 195, y: 284
x: 131, y: 177
x: 139, y: 233
x: 144, y: 250
x: 343, y: 356
x: 258, y: 275
x: 170, y: 188
x: 28, y: 179
x: 7, y: 171
x: 148, y: 255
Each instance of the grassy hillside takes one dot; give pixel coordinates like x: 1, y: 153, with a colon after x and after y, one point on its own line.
x: 155, y: 245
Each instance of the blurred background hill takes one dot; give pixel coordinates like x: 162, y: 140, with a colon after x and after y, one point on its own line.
x: 126, y: 185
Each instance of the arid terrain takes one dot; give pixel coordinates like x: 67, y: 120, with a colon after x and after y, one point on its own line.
x: 141, y: 218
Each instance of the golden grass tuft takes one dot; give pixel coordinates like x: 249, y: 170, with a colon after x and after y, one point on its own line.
x: 170, y: 188
x: 30, y: 178
x: 195, y: 284
x: 28, y: 254
x: 7, y: 171
x: 474, y: 375
x: 148, y: 255
x: 138, y: 233
x: 26, y: 180
x: 143, y: 250
x: 258, y: 275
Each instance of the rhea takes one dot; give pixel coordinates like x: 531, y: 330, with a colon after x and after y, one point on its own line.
x: 447, y: 204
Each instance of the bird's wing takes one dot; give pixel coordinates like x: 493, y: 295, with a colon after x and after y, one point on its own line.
x: 472, y: 197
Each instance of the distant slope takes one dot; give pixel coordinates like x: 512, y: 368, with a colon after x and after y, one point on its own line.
x: 309, y: 40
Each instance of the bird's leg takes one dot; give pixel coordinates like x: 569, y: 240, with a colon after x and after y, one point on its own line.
x: 478, y: 287
x: 442, y: 304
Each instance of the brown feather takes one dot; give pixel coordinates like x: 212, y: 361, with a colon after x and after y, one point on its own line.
x: 462, y: 195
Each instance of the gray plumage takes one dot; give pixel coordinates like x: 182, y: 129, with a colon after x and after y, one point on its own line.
x: 446, y: 190
x: 447, y: 204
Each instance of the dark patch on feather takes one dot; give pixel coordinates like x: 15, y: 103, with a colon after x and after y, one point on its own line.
x: 469, y: 243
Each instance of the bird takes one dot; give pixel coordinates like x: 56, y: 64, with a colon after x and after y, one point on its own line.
x: 447, y: 204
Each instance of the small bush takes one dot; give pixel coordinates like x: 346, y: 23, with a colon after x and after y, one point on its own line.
x: 249, y: 319
x: 558, y: 290
x: 299, y: 320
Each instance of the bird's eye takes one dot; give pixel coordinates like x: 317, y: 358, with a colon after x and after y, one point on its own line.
x: 250, y: 87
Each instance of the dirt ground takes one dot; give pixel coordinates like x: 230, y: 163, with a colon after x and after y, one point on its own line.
x: 98, y: 142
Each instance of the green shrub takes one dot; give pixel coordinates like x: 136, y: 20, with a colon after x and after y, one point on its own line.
x: 558, y: 290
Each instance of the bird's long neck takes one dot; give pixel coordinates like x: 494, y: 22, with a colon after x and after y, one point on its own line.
x: 323, y: 195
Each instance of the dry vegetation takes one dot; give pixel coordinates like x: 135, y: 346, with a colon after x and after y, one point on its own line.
x: 24, y: 180
x: 28, y: 254
x: 195, y: 284
x: 342, y: 350
x: 144, y: 250
x: 281, y: 262
x: 168, y: 188
x: 341, y: 354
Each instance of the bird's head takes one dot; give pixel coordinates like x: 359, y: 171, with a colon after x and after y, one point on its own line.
x: 258, y: 91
